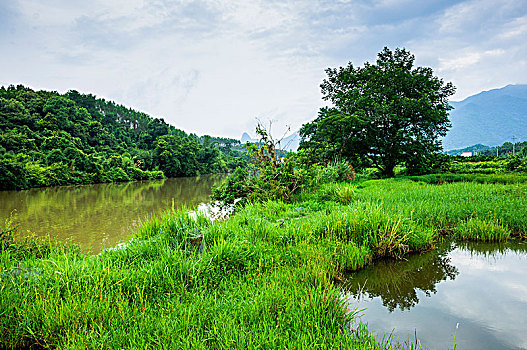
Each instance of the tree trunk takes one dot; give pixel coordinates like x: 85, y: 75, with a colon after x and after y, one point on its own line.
x: 387, y: 170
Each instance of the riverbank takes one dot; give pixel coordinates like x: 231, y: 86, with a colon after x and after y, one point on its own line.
x: 262, y: 278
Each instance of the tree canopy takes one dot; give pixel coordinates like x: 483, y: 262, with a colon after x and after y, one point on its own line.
x: 382, y: 114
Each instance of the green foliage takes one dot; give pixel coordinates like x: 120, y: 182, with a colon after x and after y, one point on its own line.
x: 517, y: 163
x: 442, y: 205
x: 177, y: 155
x: 346, y: 194
x: 338, y: 170
x: 48, y: 139
x: 383, y: 114
x: 439, y: 179
x: 481, y: 167
x: 506, y: 149
x: 235, y: 186
x: 277, y: 177
x: 243, y: 289
x: 340, y: 193
x: 12, y: 174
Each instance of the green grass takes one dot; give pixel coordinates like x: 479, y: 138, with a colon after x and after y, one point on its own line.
x: 491, y: 178
x: 264, y: 278
x: 444, y: 206
x: 486, y: 230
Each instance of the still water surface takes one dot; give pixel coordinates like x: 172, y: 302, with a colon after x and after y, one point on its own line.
x: 101, y: 215
x: 480, y: 286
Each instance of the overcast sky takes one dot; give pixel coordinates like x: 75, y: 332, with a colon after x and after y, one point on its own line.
x: 213, y: 67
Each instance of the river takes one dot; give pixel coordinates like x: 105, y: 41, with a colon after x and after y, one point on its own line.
x: 470, y: 294
x: 102, y: 215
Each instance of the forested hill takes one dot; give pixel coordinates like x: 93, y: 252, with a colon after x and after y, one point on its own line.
x: 48, y: 139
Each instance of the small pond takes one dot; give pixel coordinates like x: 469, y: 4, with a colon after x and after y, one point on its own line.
x: 102, y: 215
x: 481, y: 287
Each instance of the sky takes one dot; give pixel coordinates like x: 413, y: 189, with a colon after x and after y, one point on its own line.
x: 216, y: 67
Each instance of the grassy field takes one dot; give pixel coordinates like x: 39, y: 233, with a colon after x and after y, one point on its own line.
x: 263, y: 278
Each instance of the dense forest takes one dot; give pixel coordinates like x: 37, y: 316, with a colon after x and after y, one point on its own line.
x: 49, y: 139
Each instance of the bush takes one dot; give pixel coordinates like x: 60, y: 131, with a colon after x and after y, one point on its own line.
x: 117, y: 174
x: 274, y: 176
x: 155, y: 174
x: 337, y: 171
x: 236, y: 186
x: 13, y: 174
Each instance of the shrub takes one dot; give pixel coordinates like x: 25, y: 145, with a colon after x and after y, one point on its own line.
x: 117, y: 174
x: 236, y: 186
x: 337, y: 171
x: 274, y: 176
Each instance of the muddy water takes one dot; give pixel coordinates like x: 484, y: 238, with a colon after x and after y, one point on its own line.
x: 102, y: 215
x: 480, y: 288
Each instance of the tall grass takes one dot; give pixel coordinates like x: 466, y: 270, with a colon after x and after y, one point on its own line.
x: 488, y: 178
x: 256, y: 284
x: 444, y: 206
x: 487, y: 230
x: 260, y: 279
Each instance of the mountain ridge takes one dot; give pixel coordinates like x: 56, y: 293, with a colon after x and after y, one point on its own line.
x: 289, y: 143
x: 490, y: 117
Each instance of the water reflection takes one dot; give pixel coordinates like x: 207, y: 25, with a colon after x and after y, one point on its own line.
x: 493, y: 251
x: 396, y: 283
x: 100, y: 215
x: 481, y: 286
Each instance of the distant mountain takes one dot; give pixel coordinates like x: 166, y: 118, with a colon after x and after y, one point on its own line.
x: 289, y: 143
x: 247, y: 138
x: 490, y: 117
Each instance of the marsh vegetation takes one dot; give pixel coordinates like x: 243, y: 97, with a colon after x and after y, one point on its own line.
x: 262, y: 278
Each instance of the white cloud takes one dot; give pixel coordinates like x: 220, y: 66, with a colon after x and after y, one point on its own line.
x: 213, y: 66
x: 495, y: 52
x: 516, y: 29
x: 466, y: 45
x: 460, y: 62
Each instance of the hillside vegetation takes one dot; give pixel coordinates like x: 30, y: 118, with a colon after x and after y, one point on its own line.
x: 48, y: 139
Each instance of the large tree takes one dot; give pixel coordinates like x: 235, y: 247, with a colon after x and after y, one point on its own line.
x: 385, y: 113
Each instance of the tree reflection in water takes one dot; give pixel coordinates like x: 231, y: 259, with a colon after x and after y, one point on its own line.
x: 396, y: 282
